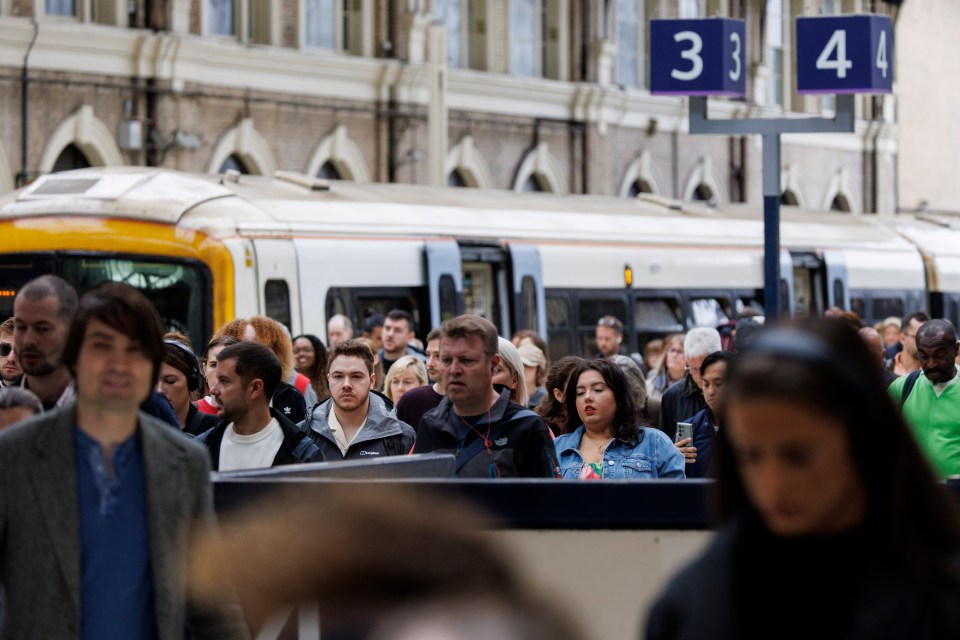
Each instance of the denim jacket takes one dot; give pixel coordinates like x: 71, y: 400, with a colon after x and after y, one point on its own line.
x: 651, y: 456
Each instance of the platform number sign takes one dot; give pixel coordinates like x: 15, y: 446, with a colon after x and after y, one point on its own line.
x: 698, y: 57
x: 845, y: 54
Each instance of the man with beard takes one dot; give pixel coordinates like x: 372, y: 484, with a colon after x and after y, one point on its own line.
x: 43, y: 311
x: 251, y: 433
x: 10, y: 371
x: 355, y: 423
x: 416, y: 402
x: 931, y: 402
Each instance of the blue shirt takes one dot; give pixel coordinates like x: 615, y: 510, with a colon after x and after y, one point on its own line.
x: 652, y: 456
x: 704, y: 434
x: 116, y: 580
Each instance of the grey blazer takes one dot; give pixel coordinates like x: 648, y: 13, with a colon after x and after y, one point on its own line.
x: 40, y: 537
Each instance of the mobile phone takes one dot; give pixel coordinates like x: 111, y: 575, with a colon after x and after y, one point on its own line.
x: 684, y: 430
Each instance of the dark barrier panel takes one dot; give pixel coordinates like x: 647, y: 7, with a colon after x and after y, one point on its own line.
x: 532, y: 504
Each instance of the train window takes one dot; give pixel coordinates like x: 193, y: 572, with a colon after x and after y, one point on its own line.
x: 180, y: 291
x: 838, y: 292
x: 707, y: 312
x: 478, y: 289
x: 337, y: 303
x: 661, y: 314
x: 276, y: 297
x: 448, y: 298
x: 528, y: 304
x: 592, y: 309
x: 558, y: 327
x: 886, y: 307
x: 859, y: 306
x: 16, y: 271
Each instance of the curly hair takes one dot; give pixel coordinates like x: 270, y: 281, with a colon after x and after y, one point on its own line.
x: 269, y: 333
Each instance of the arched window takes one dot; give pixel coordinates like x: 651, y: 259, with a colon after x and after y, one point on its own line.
x: 702, y: 192
x: 455, y: 179
x: 789, y: 198
x: 233, y: 162
x: 637, y: 187
x: 532, y: 184
x: 329, y: 172
x: 840, y: 203
x: 70, y: 158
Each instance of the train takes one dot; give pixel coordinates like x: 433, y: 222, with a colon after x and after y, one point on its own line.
x: 299, y: 249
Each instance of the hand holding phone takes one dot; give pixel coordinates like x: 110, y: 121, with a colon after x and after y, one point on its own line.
x: 684, y: 442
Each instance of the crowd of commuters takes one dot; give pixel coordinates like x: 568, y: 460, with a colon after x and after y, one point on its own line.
x: 697, y: 405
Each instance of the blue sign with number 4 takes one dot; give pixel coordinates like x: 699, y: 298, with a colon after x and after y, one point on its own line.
x: 845, y: 54
x: 698, y: 57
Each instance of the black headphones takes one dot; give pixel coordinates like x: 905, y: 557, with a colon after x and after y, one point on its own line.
x: 195, y: 377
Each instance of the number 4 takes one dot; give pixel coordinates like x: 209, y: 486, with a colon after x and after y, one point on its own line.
x: 882, y: 54
x: 838, y: 42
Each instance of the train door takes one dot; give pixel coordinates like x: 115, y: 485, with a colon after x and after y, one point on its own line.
x: 529, y: 303
x: 835, y: 270
x: 486, y: 290
x: 505, y: 286
x: 809, y: 285
x: 444, y: 280
x: 277, y: 282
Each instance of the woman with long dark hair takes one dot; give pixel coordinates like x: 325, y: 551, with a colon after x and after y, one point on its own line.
x: 831, y: 521
x: 551, y: 407
x: 310, y: 359
x: 610, y: 441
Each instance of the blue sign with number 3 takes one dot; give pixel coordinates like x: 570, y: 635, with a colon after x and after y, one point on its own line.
x: 698, y: 57
x: 845, y: 54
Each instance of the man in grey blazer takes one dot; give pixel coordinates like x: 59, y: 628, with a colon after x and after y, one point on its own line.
x: 97, y: 500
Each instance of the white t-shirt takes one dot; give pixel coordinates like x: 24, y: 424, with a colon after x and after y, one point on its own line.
x: 255, y: 451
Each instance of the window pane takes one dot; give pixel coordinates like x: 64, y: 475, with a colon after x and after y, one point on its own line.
x: 448, y: 14
x: 528, y: 304
x: 858, y: 306
x: 885, y: 307
x: 179, y: 291
x: 448, y: 298
x: 276, y: 295
x: 593, y: 310
x: 60, y: 7
x: 523, y: 36
x: 320, y: 26
x: 707, y: 312
x: 329, y: 172
x: 627, y: 30
x: 558, y: 327
x: 16, y: 271
x: 659, y: 314
x: 689, y: 9
x: 220, y: 20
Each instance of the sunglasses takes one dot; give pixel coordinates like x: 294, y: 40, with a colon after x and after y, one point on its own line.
x: 5, y: 349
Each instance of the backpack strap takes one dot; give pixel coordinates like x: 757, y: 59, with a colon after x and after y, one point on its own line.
x: 475, y: 447
x: 908, y: 386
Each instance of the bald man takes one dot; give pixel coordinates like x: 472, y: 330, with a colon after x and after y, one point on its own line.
x: 875, y: 342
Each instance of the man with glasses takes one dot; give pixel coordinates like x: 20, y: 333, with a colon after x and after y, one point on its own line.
x: 9, y: 367
x: 684, y: 398
x: 907, y: 360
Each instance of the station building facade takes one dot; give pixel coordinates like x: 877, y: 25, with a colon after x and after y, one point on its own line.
x: 527, y: 95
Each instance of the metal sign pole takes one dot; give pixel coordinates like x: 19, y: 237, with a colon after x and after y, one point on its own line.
x: 771, y: 130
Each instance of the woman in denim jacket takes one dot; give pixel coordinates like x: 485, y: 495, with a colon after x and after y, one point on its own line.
x: 610, y: 443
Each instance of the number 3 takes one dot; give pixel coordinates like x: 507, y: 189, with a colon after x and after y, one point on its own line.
x: 735, y: 73
x: 692, y: 54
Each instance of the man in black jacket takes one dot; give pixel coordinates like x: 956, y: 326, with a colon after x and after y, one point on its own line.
x: 251, y: 434
x: 684, y: 398
x: 491, y: 436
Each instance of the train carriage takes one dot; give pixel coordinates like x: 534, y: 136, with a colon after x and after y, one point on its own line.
x: 210, y: 248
